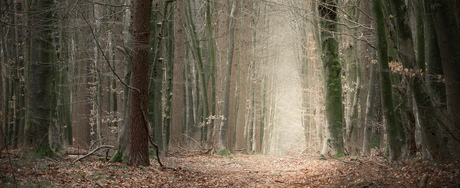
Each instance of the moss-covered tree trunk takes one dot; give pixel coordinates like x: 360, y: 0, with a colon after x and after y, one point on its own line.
x: 385, y: 81
x: 332, y: 75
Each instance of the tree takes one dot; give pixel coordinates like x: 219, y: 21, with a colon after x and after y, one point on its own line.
x: 178, y: 101
x: 39, y: 79
x: 223, y: 141
x: 124, y: 128
x: 385, y: 81
x: 139, y: 136
x: 431, y: 132
x: 352, y: 83
x: 435, y: 86
x: 448, y: 39
x: 367, y: 61
x: 332, y: 76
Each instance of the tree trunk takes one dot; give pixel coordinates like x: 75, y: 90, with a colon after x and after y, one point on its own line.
x: 139, y: 136
x: 212, y: 72
x: 436, y: 87
x: 332, y: 74
x: 369, y: 114
x: 200, y: 72
x: 243, y: 74
x: 385, y: 81
x: 81, y: 107
x: 223, y: 141
x: 168, y: 80
x: 178, y: 97
x: 448, y: 40
x: 39, y: 80
x: 124, y: 127
x: 2, y: 89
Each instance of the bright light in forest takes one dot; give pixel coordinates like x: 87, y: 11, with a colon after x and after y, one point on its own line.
x: 288, y: 134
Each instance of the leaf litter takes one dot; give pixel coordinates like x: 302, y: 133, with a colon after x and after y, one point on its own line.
x: 238, y: 170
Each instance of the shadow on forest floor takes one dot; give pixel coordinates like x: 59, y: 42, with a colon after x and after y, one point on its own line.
x: 193, y: 170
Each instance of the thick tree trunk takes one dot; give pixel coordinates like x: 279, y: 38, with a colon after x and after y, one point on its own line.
x: 448, y: 40
x: 39, y: 81
x: 178, y: 97
x: 332, y: 74
x: 81, y: 107
x: 139, y: 136
x: 2, y: 89
x: 223, y: 141
x: 243, y: 74
x: 212, y: 73
x: 385, y: 81
x: 436, y: 87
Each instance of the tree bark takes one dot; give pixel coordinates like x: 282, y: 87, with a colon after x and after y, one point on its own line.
x: 178, y: 97
x: 332, y: 74
x: 39, y: 80
x: 81, y: 107
x: 448, y: 40
x: 223, y: 142
x: 3, y: 61
x: 139, y: 136
x: 123, y: 135
x: 385, y: 81
x: 369, y: 114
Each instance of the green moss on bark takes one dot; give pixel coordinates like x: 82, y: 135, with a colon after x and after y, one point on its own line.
x: 225, y: 152
x: 117, y: 157
x: 332, y: 69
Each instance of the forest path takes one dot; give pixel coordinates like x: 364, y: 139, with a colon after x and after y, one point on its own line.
x: 278, y: 171
x: 191, y: 170
x: 241, y: 170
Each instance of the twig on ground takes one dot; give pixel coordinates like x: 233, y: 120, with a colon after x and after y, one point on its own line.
x: 382, y: 165
x: 91, y: 152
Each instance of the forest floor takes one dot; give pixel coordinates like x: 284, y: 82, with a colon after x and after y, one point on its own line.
x: 238, y: 170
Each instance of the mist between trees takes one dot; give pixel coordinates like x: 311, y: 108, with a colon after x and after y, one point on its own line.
x: 281, y: 77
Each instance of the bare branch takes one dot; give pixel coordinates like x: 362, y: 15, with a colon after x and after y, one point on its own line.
x: 91, y: 152
x: 103, y: 54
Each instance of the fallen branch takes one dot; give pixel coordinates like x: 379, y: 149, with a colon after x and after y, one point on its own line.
x: 157, y: 149
x: 91, y: 152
